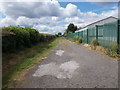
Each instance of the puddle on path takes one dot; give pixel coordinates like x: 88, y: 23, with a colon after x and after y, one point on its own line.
x: 59, y: 52
x: 62, y: 71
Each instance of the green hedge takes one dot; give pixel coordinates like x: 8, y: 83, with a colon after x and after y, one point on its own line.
x: 17, y: 37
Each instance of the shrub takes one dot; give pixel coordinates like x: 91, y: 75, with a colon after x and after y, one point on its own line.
x: 111, y: 53
x: 76, y: 38
x: 80, y: 40
x: 114, y: 46
x: 16, y: 37
x: 94, y: 43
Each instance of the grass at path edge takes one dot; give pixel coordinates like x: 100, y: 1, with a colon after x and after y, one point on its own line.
x: 11, y: 76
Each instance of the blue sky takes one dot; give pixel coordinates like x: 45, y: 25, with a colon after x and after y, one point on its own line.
x: 91, y: 6
x: 86, y: 6
x: 53, y: 16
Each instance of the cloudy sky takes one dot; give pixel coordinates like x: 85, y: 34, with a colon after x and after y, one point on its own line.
x: 54, y: 16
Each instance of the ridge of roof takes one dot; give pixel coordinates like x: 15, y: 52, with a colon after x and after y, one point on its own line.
x: 99, y: 21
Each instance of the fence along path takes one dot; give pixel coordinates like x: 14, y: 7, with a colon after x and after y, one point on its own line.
x: 105, y: 34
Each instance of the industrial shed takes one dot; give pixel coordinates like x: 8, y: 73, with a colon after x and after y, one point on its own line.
x: 100, y: 22
x: 106, y: 31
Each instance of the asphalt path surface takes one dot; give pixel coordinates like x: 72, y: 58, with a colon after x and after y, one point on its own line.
x: 72, y: 66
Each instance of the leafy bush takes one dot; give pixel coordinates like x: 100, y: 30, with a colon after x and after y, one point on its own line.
x: 94, y: 43
x: 80, y: 40
x: 76, y: 38
x: 114, y: 46
x: 16, y: 37
x: 111, y: 53
x: 113, y: 50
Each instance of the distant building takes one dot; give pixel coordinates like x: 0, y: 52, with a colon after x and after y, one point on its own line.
x: 100, y: 22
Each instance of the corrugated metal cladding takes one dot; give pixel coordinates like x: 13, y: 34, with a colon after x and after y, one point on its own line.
x: 105, y: 33
x: 101, y: 22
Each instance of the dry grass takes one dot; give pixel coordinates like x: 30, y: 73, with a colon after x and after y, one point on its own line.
x: 17, y: 64
x: 100, y: 49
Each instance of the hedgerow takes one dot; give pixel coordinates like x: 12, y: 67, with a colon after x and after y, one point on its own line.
x: 17, y: 37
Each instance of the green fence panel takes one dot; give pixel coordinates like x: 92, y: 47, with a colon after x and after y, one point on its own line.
x: 119, y: 35
x: 84, y: 36
x: 100, y: 35
x: 80, y: 34
x: 91, y: 34
x: 71, y: 35
x: 106, y: 34
x: 109, y: 34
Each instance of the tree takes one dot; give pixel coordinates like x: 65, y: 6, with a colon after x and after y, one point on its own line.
x: 75, y: 28
x: 71, y: 28
x: 59, y: 34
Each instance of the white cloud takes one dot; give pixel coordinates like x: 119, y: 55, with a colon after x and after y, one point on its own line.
x: 43, y: 24
x: 44, y: 15
x: 7, y: 22
x: 102, y: 0
x: 70, y: 10
x: 35, y: 21
x: 23, y: 21
x: 25, y: 1
x: 90, y: 17
x: 110, y: 13
x: 51, y: 30
x: 76, y: 20
x: 59, y: 0
x: 37, y: 9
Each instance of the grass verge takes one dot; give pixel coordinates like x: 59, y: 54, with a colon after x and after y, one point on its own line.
x: 17, y: 64
x: 100, y: 49
x: 75, y: 41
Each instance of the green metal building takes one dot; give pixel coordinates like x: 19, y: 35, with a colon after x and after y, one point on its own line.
x: 106, y: 31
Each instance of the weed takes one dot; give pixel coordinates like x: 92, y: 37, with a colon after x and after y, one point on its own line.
x: 80, y: 40
x: 94, y: 43
x: 25, y: 60
x: 114, y: 46
x: 76, y: 38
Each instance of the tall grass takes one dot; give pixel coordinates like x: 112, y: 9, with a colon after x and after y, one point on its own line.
x: 78, y: 39
x: 22, y: 48
x: 23, y: 60
x: 94, y: 43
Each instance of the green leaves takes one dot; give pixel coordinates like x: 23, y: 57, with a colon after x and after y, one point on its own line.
x: 114, y: 46
x: 71, y: 28
x: 94, y: 43
x: 16, y: 37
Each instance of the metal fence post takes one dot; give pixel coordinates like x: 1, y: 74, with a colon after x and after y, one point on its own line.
x: 118, y: 36
x: 87, y: 36
x: 97, y: 32
x: 78, y: 34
